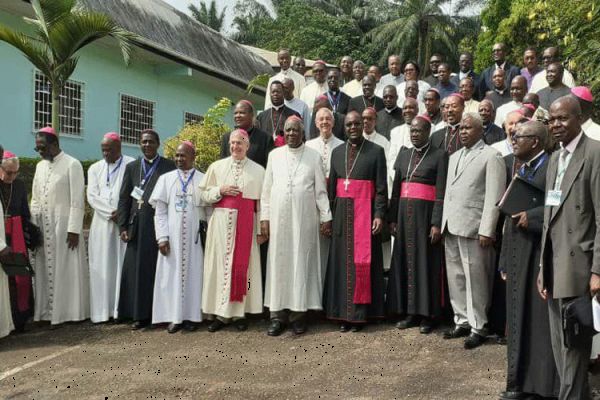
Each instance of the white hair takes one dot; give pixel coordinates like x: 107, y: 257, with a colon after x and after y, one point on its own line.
x: 10, y: 161
x: 474, y: 117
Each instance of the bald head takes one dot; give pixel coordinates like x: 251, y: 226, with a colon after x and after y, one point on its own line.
x: 390, y: 97
x: 368, y: 86
x: 518, y: 88
x: 565, y: 119
x: 410, y: 109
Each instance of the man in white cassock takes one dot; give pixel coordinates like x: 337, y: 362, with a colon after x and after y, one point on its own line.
x: 324, y: 145
x: 294, y: 209
x: 6, y: 321
x: 179, y: 269
x: 232, y: 285
x: 105, y: 247
x: 57, y: 207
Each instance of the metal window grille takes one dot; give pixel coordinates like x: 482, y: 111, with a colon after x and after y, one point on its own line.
x: 71, y: 105
x: 136, y: 115
x: 191, y: 118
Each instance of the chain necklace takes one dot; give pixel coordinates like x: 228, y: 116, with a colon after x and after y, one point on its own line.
x: 416, y: 166
x: 348, y: 173
x: 6, y: 205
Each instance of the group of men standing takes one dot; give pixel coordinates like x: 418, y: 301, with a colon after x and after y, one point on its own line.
x: 307, y: 213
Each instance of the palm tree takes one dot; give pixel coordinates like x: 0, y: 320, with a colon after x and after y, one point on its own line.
x: 208, y: 16
x: 366, y: 13
x: 250, y: 16
x: 60, y: 30
x: 413, y: 30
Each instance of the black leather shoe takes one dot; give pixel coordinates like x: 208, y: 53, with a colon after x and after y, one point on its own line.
x: 501, y: 340
x: 299, y: 327
x: 511, y: 396
x: 173, y: 328
x: 409, y: 322
x: 426, y: 326
x: 457, y: 332
x: 216, y: 325
x: 241, y: 324
x: 276, y: 328
x: 190, y: 326
x: 345, y: 328
x: 357, y: 327
x: 137, y: 325
x: 474, y: 340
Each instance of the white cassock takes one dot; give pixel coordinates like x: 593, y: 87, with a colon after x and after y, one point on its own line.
x: 401, y: 89
x: 311, y: 92
x: 6, y: 321
x: 105, y: 247
x: 324, y: 147
x: 471, y: 106
x: 220, y: 239
x: 591, y: 129
x: 353, y: 88
x: 504, y: 110
x: 61, y: 274
x: 178, y: 283
x: 299, y: 83
x: 294, y: 201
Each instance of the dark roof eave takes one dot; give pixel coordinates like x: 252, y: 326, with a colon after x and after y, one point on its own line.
x: 190, y: 62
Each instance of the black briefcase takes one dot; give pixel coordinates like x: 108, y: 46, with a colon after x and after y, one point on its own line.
x: 578, y: 321
x: 16, y: 264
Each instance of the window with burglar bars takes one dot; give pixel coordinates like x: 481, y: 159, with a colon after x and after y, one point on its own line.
x: 71, y: 105
x: 136, y: 115
x: 191, y: 118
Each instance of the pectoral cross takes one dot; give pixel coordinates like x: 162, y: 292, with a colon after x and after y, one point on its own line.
x: 140, y: 203
x: 346, y: 183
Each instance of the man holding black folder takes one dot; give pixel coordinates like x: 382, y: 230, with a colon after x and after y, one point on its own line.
x: 531, y: 369
x: 570, y: 254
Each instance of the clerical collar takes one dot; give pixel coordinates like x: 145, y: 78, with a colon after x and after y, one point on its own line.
x: 453, y: 127
x: 297, y: 149
x: 277, y: 108
x: 462, y: 75
x: 528, y: 163
x: 390, y: 110
x: 501, y: 66
x: 151, y: 161
x: 326, y: 139
x: 500, y: 92
x: 334, y: 92
x: 423, y: 148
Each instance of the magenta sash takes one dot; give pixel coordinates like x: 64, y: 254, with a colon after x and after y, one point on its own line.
x: 14, y: 229
x: 362, y: 193
x: 420, y: 191
x: 243, y: 243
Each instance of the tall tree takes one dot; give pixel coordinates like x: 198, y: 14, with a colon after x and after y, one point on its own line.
x: 413, y: 30
x: 60, y: 30
x: 250, y: 17
x: 208, y: 16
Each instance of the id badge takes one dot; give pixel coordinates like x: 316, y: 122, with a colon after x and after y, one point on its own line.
x: 137, y: 193
x: 553, y: 198
x: 181, y: 203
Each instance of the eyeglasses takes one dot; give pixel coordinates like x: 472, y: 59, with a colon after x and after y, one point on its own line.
x: 517, y: 137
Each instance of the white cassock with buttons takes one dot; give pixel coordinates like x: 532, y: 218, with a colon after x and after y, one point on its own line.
x: 294, y: 201
x: 61, y: 274
x: 178, y: 283
x: 106, y: 250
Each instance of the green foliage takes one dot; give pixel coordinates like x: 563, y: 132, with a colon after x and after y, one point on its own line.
x: 575, y: 29
x: 259, y: 80
x: 208, y: 16
x: 206, y: 135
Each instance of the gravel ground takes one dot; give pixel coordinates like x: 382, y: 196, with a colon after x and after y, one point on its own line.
x: 110, y: 361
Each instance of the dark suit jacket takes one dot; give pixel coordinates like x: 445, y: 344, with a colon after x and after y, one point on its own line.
x: 358, y: 104
x: 388, y: 121
x: 343, y: 103
x: 266, y: 123
x: 127, y: 210
x: 261, y: 143
x: 338, y: 126
x: 485, y: 81
x: 493, y: 134
x: 571, y: 232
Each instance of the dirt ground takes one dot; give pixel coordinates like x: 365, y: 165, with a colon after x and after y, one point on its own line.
x: 110, y: 361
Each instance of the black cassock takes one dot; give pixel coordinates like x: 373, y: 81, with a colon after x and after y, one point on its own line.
x: 341, y: 272
x: 531, y: 367
x: 388, y: 120
x: 261, y: 144
x: 416, y: 285
x: 139, y: 264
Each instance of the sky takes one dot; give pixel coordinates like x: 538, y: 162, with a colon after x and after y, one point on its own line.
x: 230, y: 4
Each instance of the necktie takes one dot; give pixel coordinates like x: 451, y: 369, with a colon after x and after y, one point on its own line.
x: 563, y: 163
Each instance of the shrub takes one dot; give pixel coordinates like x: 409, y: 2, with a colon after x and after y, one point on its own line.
x: 206, y: 135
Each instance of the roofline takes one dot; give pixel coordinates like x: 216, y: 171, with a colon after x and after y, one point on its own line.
x: 153, y: 47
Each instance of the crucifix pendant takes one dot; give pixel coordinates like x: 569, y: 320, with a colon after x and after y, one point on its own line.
x: 346, y: 183
x: 140, y: 203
